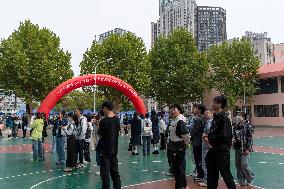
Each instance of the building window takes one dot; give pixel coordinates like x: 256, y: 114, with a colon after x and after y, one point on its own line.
x: 266, y: 110
x: 282, y: 84
x: 268, y: 86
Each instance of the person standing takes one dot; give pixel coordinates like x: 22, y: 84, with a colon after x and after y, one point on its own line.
x: 205, y: 146
x: 125, y: 123
x: 88, y: 140
x: 71, y: 159
x: 220, y: 141
x: 37, y: 127
x: 162, y: 127
x: 81, y: 134
x: 61, y: 138
x: 146, y: 133
x: 135, y: 140
x: 243, y: 141
x: 24, y: 125
x: 108, y: 145
x: 179, y: 139
x: 196, y: 140
x: 155, y: 130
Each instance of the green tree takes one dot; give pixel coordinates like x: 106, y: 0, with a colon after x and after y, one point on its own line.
x: 78, y: 99
x: 123, y: 56
x: 32, y: 62
x: 234, y: 68
x: 178, y: 71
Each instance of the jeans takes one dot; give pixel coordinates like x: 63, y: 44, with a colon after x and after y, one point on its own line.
x: 53, y: 144
x: 244, y: 173
x: 178, y: 166
x: 37, y: 149
x: 146, y: 142
x: 98, y: 157
x: 219, y: 161
x: 60, y: 143
x: 109, y: 166
x: 205, y: 149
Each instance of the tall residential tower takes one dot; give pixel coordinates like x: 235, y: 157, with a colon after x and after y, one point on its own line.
x: 210, y: 26
x: 174, y: 14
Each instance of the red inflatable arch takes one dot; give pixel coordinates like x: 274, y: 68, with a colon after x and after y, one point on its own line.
x: 106, y: 80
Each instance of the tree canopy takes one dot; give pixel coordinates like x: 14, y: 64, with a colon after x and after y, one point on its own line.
x: 123, y: 56
x: 32, y: 63
x: 234, y: 68
x: 178, y: 71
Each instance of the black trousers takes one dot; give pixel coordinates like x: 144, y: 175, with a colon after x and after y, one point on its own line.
x: 80, y: 149
x: 169, y: 159
x: 24, y: 133
x: 163, y: 141
x: 87, y: 151
x: 178, y: 165
x: 71, y: 159
x: 197, y: 152
x: 109, y: 166
x: 219, y: 161
x: 0, y: 132
x: 126, y: 129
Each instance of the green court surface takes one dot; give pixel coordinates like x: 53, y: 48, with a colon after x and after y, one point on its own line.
x: 275, y: 142
x: 17, y: 170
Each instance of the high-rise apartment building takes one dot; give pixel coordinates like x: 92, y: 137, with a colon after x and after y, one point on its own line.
x: 174, y: 14
x: 210, y: 26
x: 263, y: 46
x: 105, y: 35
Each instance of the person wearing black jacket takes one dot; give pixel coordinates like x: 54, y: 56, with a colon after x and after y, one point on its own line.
x: 220, y: 141
x: 196, y: 140
x: 135, y: 139
x: 108, y: 144
x: 24, y: 125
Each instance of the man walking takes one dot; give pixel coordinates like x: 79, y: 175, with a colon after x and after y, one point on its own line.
x: 108, y: 145
x: 220, y: 140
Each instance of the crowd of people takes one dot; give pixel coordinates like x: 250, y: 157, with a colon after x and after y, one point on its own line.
x: 209, y: 136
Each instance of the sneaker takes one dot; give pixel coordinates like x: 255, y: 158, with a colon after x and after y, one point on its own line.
x: 79, y: 165
x: 203, y: 184
x: 250, y: 182
x: 59, y: 163
x: 68, y: 169
x: 186, y: 187
x: 169, y: 174
x: 97, y: 173
x: 197, y: 179
x: 133, y: 153
x: 41, y: 159
x: 144, y: 154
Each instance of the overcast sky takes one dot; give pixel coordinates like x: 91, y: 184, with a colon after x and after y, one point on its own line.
x: 78, y: 21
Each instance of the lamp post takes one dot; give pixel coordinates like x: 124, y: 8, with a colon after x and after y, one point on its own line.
x: 95, y: 87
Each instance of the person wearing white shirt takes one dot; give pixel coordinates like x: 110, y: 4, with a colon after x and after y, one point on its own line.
x: 146, y: 133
